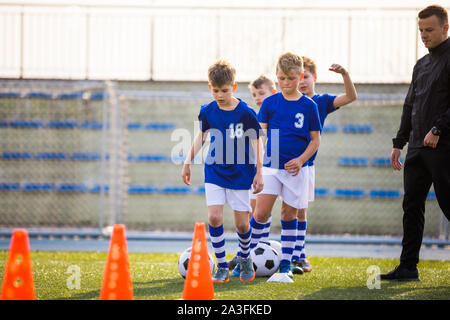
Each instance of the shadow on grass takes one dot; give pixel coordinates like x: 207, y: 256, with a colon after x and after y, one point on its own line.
x: 387, y: 291
x: 166, y: 289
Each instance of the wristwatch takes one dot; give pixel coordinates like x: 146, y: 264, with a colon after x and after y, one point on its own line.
x: 435, y: 131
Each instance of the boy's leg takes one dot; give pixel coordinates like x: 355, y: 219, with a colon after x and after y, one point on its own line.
x: 264, y: 205
x: 216, y: 232
x: 244, y: 231
x: 266, y: 231
x: 288, y: 236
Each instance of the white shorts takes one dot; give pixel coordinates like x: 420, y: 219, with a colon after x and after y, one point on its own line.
x: 238, y: 200
x: 292, y: 189
x: 311, y: 182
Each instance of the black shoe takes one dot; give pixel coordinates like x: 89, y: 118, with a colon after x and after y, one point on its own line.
x: 401, y: 274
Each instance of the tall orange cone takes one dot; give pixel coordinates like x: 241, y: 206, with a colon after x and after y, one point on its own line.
x: 18, y: 282
x: 198, y: 284
x: 117, y: 283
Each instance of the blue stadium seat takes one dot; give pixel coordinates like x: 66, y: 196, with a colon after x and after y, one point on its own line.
x: 385, y: 194
x: 175, y: 190
x: 431, y: 195
x: 152, y: 157
x: 97, y: 96
x: 353, y: 162
x: 321, y: 193
x: 38, y: 187
x: 332, y: 128
x: 200, y: 190
x: 159, y: 126
x: 38, y: 95
x: 357, y: 128
x: 134, y: 126
x: 50, y: 156
x: 139, y: 189
x: 16, y: 156
x: 70, y: 96
x: 83, y: 156
x: 97, y: 188
x: 55, y: 124
x: 72, y: 187
x: 10, y: 94
x: 93, y: 125
x: 6, y: 186
x: 23, y: 124
x: 349, y: 193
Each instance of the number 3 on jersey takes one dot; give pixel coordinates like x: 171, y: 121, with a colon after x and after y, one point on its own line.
x: 300, y: 120
x: 237, y: 132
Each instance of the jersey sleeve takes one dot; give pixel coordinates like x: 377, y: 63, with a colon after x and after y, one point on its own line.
x: 314, y: 119
x: 264, y: 114
x: 204, y: 124
x: 329, y: 103
x: 252, y: 122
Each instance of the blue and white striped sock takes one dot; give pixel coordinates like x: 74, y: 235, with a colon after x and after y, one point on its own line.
x: 257, y: 231
x: 244, y: 243
x: 288, y: 238
x: 299, y: 251
x: 266, y: 231
x: 218, y: 244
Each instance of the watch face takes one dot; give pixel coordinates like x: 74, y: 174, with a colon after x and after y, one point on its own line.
x: 435, y: 131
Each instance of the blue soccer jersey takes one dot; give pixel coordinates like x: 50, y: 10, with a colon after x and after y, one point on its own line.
x: 325, y: 106
x: 230, y: 162
x: 289, y: 124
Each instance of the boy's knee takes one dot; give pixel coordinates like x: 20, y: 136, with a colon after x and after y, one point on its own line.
x: 301, y: 214
x: 242, y: 227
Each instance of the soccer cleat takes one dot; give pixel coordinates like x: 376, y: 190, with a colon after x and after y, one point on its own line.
x: 401, y: 273
x: 233, y: 262
x: 236, y: 271
x: 247, y: 272
x: 305, y: 265
x: 295, y: 268
x: 221, y: 275
x: 286, y: 268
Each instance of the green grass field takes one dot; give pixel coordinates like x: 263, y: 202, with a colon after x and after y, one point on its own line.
x: 155, y: 277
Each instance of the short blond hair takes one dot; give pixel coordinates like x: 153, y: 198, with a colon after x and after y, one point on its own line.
x: 309, y: 64
x: 221, y: 73
x: 262, y: 80
x: 288, y: 61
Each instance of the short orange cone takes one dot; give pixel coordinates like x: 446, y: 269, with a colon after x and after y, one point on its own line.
x: 117, y: 283
x: 198, y: 284
x: 18, y: 281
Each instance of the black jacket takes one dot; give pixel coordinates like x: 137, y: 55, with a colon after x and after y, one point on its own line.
x: 427, y: 103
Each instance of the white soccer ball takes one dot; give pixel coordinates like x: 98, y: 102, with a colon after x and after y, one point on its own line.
x: 265, y: 260
x: 183, y: 262
x: 277, y: 246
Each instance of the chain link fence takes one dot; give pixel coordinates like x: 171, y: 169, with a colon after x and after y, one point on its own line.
x: 88, y: 154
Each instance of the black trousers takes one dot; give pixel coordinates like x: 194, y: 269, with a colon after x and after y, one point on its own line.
x: 423, y: 167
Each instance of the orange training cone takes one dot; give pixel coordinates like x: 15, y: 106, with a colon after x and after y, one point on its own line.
x: 117, y: 283
x: 198, y: 284
x: 18, y: 281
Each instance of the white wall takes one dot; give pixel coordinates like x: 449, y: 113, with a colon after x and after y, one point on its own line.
x: 178, y: 40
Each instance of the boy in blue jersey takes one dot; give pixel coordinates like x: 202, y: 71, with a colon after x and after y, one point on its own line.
x: 260, y: 88
x: 326, y: 104
x: 230, y: 168
x: 293, y: 136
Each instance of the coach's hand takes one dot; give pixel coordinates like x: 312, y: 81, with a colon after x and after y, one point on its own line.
x: 293, y: 166
x: 395, y: 159
x: 186, y: 174
x: 430, y: 140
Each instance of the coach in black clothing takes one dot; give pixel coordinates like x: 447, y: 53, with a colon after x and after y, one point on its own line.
x: 425, y: 126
